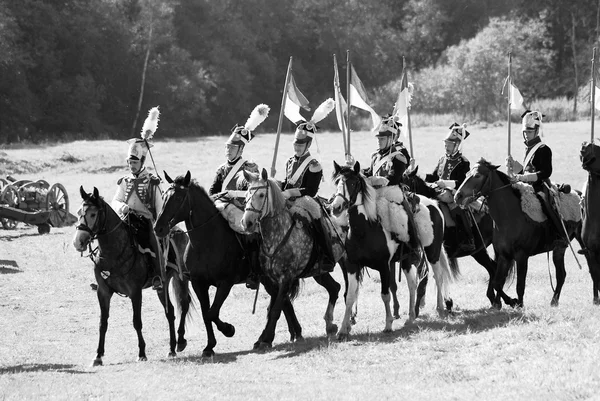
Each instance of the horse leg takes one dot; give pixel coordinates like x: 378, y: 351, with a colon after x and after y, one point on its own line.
x: 384, y: 274
x: 288, y: 311
x: 333, y: 289
x: 201, y: 291
x: 268, y: 334
x: 502, y: 267
x: 182, y: 296
x: 594, y: 267
x: 522, y: 266
x: 104, y: 296
x: 394, y: 290
x: 221, y: 295
x: 136, y: 303
x: 351, y: 297
x: 484, y: 260
x: 410, y: 272
x: 422, y: 291
x: 170, y: 314
x: 558, y: 258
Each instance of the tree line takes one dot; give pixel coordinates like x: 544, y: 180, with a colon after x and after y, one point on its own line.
x: 83, y: 68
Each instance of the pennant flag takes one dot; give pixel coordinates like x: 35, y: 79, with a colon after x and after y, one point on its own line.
x: 516, y: 100
x: 404, y: 98
x: 358, y: 97
x: 295, y: 99
x: 597, y: 91
x: 341, y: 107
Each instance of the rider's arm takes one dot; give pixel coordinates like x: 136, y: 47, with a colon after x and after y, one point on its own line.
x: 118, y: 203
x: 312, y: 179
x: 542, y: 162
x: 215, y: 188
x: 398, y: 168
x: 157, y: 199
x: 433, y: 177
x: 461, y: 172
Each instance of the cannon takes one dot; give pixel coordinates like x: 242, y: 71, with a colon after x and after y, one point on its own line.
x: 33, y: 202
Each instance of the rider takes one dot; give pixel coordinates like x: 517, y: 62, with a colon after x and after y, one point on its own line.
x: 450, y: 172
x: 537, y: 167
x: 390, y: 161
x: 303, y: 172
x: 229, y: 181
x: 139, y: 198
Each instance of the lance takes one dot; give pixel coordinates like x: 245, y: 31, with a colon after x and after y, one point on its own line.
x: 281, y: 112
x: 593, y: 92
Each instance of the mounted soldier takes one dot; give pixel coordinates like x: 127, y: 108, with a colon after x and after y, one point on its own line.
x: 448, y: 175
x: 390, y: 161
x: 229, y: 185
x: 537, y: 169
x: 139, y: 197
x: 303, y: 174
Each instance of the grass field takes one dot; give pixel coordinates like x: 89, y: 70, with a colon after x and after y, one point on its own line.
x: 49, y: 316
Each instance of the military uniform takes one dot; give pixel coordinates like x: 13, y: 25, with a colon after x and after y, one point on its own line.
x: 453, y: 168
x: 390, y: 163
x: 304, y: 173
x: 228, y: 180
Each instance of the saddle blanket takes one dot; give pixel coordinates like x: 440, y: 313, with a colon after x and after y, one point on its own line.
x: 394, y: 219
x: 531, y: 205
x: 232, y: 212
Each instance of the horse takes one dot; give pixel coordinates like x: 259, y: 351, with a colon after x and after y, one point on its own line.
x: 369, y: 244
x: 120, y: 268
x: 517, y: 235
x: 590, y: 230
x: 288, y: 251
x: 484, y: 231
x: 215, y: 255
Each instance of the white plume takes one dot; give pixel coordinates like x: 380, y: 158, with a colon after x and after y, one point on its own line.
x: 258, y: 115
x: 151, y: 124
x: 323, y: 110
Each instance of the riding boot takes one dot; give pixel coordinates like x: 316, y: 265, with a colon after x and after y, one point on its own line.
x: 252, y: 254
x: 557, y: 232
x: 463, y: 225
x: 409, y: 205
x: 323, y: 242
x: 156, y: 262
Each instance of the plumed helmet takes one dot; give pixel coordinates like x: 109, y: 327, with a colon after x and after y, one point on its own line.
x: 241, y: 135
x: 531, y: 119
x: 306, y: 130
x: 458, y: 133
x: 389, y: 126
x: 138, y: 148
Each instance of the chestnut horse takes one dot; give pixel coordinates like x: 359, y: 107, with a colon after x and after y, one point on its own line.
x: 517, y: 236
x: 120, y: 268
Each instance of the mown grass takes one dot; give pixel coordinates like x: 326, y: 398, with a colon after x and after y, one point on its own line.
x: 50, y: 316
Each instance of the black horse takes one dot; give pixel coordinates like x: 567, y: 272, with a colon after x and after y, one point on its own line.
x: 120, y: 268
x: 483, y: 231
x: 215, y: 255
x: 590, y: 234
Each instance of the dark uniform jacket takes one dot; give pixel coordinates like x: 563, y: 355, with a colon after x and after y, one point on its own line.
x: 237, y: 183
x: 450, y: 168
x: 393, y: 168
x: 540, y: 163
x: 310, y: 177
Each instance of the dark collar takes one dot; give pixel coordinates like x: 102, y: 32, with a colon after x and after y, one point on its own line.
x: 530, y: 144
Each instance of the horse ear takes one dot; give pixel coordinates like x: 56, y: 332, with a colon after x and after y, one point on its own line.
x: 84, y: 194
x: 357, y: 167
x: 187, y: 179
x: 264, y: 174
x: 169, y: 179
x: 336, y: 168
x: 495, y: 167
x: 96, y: 194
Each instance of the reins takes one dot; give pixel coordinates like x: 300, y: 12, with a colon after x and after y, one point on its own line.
x: 191, y: 222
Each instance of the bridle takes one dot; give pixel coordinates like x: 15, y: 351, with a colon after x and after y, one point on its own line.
x: 93, y: 231
x: 486, y: 188
x: 250, y: 196
x: 346, y: 197
x: 187, y: 197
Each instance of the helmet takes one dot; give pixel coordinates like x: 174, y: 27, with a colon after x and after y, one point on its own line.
x: 241, y: 135
x: 306, y: 130
x: 389, y: 126
x: 138, y: 149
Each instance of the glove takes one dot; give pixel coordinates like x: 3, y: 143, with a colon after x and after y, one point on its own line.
x: 440, y: 184
x: 527, y: 177
x: 291, y: 193
x: 509, y: 164
x: 124, y: 209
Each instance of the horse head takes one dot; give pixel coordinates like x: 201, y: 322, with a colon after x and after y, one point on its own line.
x: 176, y: 204
x: 263, y: 198
x: 91, y: 219
x: 590, y: 157
x: 477, y: 183
x: 350, y: 183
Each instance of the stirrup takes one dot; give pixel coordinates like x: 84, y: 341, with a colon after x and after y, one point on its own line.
x: 157, y: 283
x: 252, y: 282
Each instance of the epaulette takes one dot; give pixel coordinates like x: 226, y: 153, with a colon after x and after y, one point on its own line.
x: 120, y: 180
x: 400, y: 156
x: 154, y: 180
x: 314, y: 166
x: 464, y: 158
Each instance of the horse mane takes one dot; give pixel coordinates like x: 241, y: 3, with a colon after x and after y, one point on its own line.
x: 367, y: 191
x: 276, y: 200
x: 425, y: 189
x: 503, y: 177
x: 193, y: 185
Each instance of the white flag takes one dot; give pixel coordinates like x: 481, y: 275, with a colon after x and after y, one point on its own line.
x: 516, y: 100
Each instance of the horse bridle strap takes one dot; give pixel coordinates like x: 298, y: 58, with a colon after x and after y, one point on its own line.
x: 249, y: 207
x: 187, y: 196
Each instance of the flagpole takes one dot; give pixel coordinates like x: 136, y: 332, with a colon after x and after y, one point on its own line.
x: 410, y: 141
x: 339, y: 106
x: 283, y: 99
x: 593, y: 91
x: 508, y: 102
x: 348, y: 100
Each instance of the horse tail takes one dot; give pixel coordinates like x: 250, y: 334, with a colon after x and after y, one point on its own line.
x: 454, y: 267
x: 179, y: 291
x: 294, y: 289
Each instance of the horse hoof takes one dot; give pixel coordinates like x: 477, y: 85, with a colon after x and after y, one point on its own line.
x: 142, y: 359
x: 228, y: 330
x: 343, y: 337
x: 332, y: 329
x: 299, y: 339
x: 208, y: 353
x: 262, y: 345
x: 97, y: 362
x: 181, y: 345
x: 171, y: 354
x: 386, y: 330
x: 554, y: 302
x: 353, y: 320
x: 396, y: 316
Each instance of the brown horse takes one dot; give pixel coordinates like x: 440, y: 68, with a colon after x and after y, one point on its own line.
x: 120, y: 268
x: 215, y: 255
x: 288, y: 251
x: 590, y: 231
x: 517, y: 235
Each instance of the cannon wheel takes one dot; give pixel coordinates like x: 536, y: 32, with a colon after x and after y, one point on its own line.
x: 10, y: 197
x: 57, y: 203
